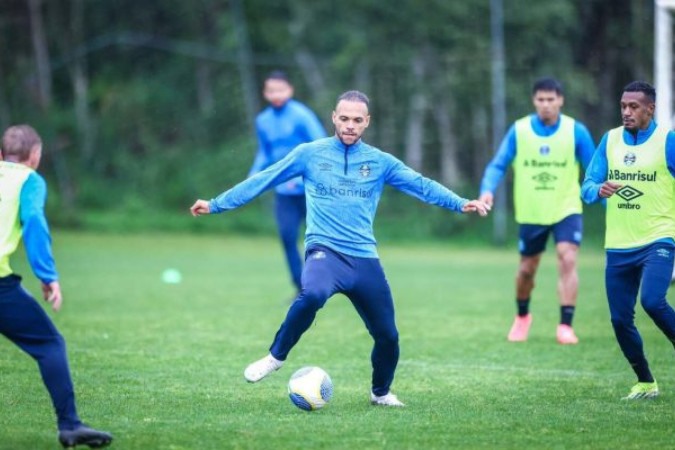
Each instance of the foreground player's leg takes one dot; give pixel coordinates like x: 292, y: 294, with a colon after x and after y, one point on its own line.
x: 321, y: 279
x: 371, y: 297
x: 654, y: 287
x: 25, y: 323
x: 622, y: 281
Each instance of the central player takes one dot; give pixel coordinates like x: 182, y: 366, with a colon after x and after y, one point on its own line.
x: 344, y: 178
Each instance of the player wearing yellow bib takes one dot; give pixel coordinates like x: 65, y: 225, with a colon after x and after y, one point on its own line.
x: 634, y: 169
x: 545, y: 150
x: 22, y: 320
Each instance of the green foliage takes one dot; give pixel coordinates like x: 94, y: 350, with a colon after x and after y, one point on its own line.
x: 160, y: 366
x: 167, y: 97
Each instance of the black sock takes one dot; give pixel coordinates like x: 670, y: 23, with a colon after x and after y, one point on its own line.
x: 523, y: 306
x: 566, y: 315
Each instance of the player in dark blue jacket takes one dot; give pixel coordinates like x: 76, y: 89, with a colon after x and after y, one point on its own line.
x: 282, y: 126
x: 22, y: 320
x: 344, y: 178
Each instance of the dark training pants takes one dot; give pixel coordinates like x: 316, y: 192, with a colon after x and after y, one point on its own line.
x: 651, y: 268
x: 25, y: 323
x: 362, y: 280
x: 289, y: 212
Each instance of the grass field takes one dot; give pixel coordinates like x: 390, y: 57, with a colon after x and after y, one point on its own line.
x: 160, y: 365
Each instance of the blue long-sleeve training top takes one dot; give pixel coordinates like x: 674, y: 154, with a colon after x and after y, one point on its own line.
x: 596, y: 174
x: 23, y: 194
x: 36, y: 237
x: 343, y: 185
x: 496, y: 169
x: 280, y: 130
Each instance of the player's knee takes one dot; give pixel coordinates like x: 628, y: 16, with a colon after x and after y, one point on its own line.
x: 652, y: 305
x: 622, y: 323
x: 526, y: 274
x: 57, y: 342
x: 51, y: 349
x: 314, y: 296
x: 567, y: 261
x: 387, y: 337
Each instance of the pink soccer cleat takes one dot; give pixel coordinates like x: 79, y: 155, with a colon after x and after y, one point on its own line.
x: 520, y: 328
x: 565, y: 335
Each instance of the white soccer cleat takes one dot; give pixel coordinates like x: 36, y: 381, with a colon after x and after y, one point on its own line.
x: 385, y: 400
x: 260, y: 369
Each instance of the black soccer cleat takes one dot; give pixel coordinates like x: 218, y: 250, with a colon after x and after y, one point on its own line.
x: 83, y: 435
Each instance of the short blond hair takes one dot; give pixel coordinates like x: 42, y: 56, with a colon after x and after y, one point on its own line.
x: 19, y: 141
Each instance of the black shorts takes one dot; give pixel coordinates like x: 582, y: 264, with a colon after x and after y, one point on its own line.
x: 532, y: 238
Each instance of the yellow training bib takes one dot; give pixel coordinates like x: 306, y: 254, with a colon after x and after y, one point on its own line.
x: 643, y: 209
x: 546, y: 174
x: 12, y: 178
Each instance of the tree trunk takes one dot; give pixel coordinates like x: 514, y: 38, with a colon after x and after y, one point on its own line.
x: 245, y: 62
x: 414, y: 149
x: 480, y: 132
x: 56, y: 142
x: 41, y: 51
x: 385, y: 92
x: 80, y: 81
x: 450, y: 174
x: 206, y: 27
x: 204, y: 81
x: 309, y: 66
x: 311, y: 71
x: 5, y: 116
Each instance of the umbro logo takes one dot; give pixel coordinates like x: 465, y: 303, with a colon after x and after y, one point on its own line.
x: 629, y: 193
x: 319, y: 254
x: 663, y: 253
x: 544, y: 177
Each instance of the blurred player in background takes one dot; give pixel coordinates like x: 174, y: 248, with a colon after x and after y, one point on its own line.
x: 634, y: 169
x: 344, y: 178
x: 22, y: 320
x: 545, y: 149
x: 282, y: 126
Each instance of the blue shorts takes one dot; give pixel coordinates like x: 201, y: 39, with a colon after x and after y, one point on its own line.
x: 532, y: 238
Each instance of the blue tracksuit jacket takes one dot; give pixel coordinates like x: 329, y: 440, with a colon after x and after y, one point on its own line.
x: 343, y: 185
x: 280, y: 130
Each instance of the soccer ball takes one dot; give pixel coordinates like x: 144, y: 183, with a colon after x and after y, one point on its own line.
x: 310, y: 388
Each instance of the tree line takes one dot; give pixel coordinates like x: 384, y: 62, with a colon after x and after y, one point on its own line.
x: 150, y: 104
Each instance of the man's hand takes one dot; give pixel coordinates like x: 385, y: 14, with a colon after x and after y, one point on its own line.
x: 52, y: 294
x: 200, y: 207
x: 608, y: 189
x: 477, y: 206
x: 487, y: 198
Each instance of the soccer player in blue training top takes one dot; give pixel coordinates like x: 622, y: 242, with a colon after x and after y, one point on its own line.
x: 634, y: 169
x: 545, y: 150
x: 282, y: 126
x: 344, y: 178
x: 22, y: 319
